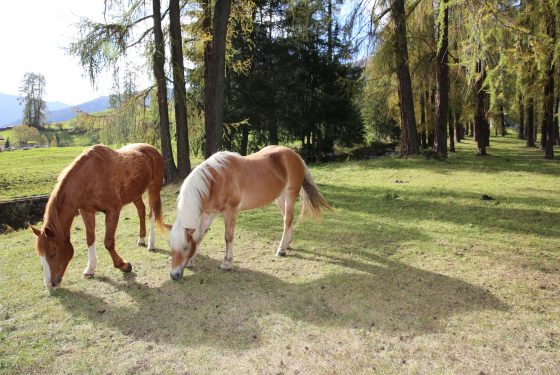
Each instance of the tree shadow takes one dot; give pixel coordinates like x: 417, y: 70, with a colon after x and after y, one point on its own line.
x: 228, y: 309
x: 459, y: 208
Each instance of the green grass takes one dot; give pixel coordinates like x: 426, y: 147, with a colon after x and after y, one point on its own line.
x: 32, y: 172
x: 415, y: 276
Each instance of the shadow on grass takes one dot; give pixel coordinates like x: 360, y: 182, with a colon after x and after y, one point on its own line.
x: 447, y: 206
x: 228, y: 309
x: 505, y: 155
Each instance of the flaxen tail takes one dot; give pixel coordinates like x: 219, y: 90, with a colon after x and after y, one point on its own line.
x: 312, y: 200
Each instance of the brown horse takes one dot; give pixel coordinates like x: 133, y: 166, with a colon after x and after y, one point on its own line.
x: 100, y: 179
x: 230, y: 183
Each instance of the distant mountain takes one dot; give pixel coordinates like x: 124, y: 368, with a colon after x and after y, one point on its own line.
x: 10, y: 110
x: 95, y: 105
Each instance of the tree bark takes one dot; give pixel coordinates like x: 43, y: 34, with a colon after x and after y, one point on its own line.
x: 214, y: 84
x: 179, y: 90
x: 409, y: 135
x: 451, y: 133
x: 442, y: 85
x: 170, y: 171
x: 521, y: 130
x: 502, y: 121
x: 423, y: 118
x: 548, y: 110
x: 479, y: 117
x: 555, y: 121
x: 530, y: 123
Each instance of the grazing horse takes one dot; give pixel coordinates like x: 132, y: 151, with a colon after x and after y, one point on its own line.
x: 100, y: 179
x: 229, y: 183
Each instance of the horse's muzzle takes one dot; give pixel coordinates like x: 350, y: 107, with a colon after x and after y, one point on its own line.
x: 176, y: 275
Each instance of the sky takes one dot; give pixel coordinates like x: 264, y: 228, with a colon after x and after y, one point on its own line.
x: 34, y: 36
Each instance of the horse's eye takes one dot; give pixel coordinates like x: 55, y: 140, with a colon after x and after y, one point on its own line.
x: 51, y: 255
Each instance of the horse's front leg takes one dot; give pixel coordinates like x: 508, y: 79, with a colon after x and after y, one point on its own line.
x: 205, y: 222
x: 230, y: 215
x: 111, y: 221
x: 89, y: 221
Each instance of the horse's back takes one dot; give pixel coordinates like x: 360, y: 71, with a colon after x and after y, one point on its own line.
x: 257, y: 179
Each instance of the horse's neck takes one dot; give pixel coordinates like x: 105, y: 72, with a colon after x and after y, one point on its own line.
x: 61, y: 212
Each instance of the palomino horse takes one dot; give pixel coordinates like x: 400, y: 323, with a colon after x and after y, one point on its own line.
x: 230, y: 183
x: 100, y: 179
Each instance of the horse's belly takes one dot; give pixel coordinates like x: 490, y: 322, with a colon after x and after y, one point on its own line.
x: 256, y: 199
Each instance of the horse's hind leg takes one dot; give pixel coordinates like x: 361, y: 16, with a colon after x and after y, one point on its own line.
x: 141, y: 208
x: 89, y: 221
x: 230, y: 215
x: 289, y: 199
x: 111, y: 221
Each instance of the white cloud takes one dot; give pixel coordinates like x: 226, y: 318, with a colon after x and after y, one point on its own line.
x: 34, y: 36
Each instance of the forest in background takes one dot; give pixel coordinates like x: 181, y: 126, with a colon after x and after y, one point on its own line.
x: 325, y: 74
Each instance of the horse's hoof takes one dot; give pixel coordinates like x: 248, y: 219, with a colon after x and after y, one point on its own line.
x: 88, y: 275
x: 126, y: 267
x: 225, y: 267
x: 280, y: 253
x: 141, y: 243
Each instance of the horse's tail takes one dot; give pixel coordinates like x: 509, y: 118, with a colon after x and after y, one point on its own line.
x: 312, y: 200
x: 156, y: 211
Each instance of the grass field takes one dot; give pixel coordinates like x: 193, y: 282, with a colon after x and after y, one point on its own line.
x: 412, y: 273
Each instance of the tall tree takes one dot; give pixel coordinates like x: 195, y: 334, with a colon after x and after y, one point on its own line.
x: 409, y: 134
x: 158, y: 63
x: 31, y: 93
x: 480, y: 122
x: 548, y: 103
x: 214, y: 77
x: 442, y: 80
x: 179, y: 89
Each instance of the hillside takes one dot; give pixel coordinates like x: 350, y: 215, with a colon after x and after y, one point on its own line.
x: 10, y: 110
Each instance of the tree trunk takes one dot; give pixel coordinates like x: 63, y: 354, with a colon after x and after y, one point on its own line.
x: 451, y: 133
x: 479, y: 117
x: 214, y: 78
x: 170, y: 171
x: 423, y: 118
x: 244, y: 139
x: 459, y: 129
x: 502, y: 121
x: 530, y: 123
x: 521, y: 130
x: 556, y: 129
x: 548, y: 115
x: 409, y: 136
x: 179, y: 91
x: 432, y: 119
x: 442, y: 85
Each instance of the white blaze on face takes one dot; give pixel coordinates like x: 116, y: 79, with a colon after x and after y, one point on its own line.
x: 46, y: 271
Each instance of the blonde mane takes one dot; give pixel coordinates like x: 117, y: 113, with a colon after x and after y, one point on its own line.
x: 194, y: 189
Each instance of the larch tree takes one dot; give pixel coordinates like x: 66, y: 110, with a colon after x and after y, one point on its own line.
x: 32, y: 91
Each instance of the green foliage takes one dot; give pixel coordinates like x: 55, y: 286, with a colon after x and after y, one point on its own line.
x: 7, y: 143
x: 24, y: 134
x: 31, y: 92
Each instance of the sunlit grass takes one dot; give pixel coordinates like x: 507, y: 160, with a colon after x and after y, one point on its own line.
x: 411, y: 273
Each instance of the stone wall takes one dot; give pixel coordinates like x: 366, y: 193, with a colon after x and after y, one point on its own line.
x: 20, y: 213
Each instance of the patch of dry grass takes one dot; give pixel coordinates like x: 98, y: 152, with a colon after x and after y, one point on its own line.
x: 417, y: 276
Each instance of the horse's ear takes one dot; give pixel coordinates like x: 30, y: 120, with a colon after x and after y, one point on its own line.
x: 49, y: 232
x: 36, y: 231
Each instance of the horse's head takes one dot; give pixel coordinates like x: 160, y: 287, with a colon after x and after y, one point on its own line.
x: 55, y: 253
x: 182, y: 249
